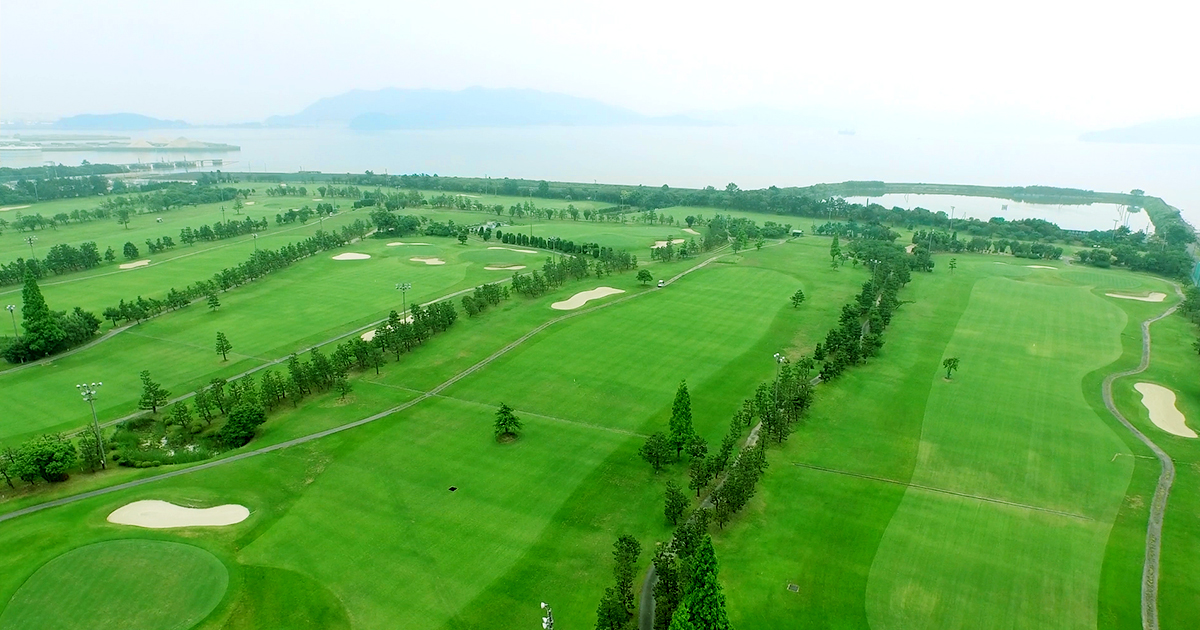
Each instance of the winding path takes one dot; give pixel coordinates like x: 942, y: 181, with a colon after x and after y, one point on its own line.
x: 1158, y: 507
x: 350, y: 425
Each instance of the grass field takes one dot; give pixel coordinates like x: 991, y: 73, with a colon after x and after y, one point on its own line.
x: 1004, y: 497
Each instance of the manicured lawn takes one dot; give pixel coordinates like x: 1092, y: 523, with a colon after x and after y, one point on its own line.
x: 122, y: 585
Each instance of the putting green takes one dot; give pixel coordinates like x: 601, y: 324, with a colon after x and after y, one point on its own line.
x: 120, y: 584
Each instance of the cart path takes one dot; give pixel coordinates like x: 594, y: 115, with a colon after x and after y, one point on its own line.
x: 1158, y: 506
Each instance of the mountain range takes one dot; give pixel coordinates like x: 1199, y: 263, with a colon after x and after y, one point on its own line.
x: 1174, y: 131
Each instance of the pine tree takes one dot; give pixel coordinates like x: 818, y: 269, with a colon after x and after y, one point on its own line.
x: 668, y: 591
x: 213, y: 302
x: 153, y: 395
x: 835, y: 252
x: 223, y: 346
x: 798, y: 298
x: 682, y: 618
x: 180, y: 414
x: 704, y: 604
x: 506, y: 422
x: 681, y: 419
x: 43, y: 334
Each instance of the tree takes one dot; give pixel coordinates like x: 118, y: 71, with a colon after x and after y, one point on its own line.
x: 676, y: 503
x: 342, y: 386
x: 110, y: 255
x: 131, y: 250
x: 704, y: 605
x: 90, y: 455
x: 681, y: 419
x: 953, y: 264
x: 223, y: 346
x: 8, y: 465
x: 181, y: 415
x: 123, y: 217
x: 153, y: 395
x: 47, y: 456
x: 700, y: 473
x: 43, y: 333
x: 213, y: 302
x: 462, y: 237
x: 950, y: 365
x: 798, y: 298
x: 643, y: 276
x: 507, y: 424
x: 668, y: 590
x: 239, y: 429
x: 656, y: 450
x: 835, y: 252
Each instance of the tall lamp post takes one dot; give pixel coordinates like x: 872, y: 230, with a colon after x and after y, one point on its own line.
x: 403, y: 288
x: 255, y: 235
x: 780, y: 360
x: 548, y: 620
x: 12, y: 313
x: 88, y: 391
x: 31, y: 240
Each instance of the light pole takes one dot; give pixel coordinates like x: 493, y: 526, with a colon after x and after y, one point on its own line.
x: 780, y: 360
x: 403, y: 288
x: 548, y: 620
x: 12, y: 313
x: 255, y: 235
x: 31, y: 240
x: 89, y: 394
x: 222, y: 214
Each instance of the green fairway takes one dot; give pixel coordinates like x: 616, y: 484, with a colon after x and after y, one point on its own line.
x: 1003, y: 497
x: 122, y: 585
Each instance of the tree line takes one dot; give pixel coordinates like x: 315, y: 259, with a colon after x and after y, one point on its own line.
x: 47, y: 332
x: 258, y: 264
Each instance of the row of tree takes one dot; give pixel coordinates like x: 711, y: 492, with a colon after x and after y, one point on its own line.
x: 221, y: 230
x: 259, y: 263
x: 859, y: 333
x: 47, y: 332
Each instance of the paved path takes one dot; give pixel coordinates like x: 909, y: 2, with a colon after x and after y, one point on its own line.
x: 1158, y: 507
x: 350, y: 425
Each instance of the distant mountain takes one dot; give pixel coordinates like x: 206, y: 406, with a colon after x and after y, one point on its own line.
x: 116, y: 122
x: 393, y: 108
x: 1177, y: 131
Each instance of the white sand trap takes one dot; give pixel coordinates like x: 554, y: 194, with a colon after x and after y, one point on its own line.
x: 352, y: 256
x: 1160, y: 402
x: 513, y: 249
x: 143, y: 263
x: 674, y: 241
x: 583, y: 297
x: 908, y: 249
x: 1153, y: 297
x: 505, y: 267
x: 163, y: 515
x: 248, y: 203
x: 1040, y: 267
x: 368, y: 336
x: 317, y: 199
x: 428, y: 260
x: 691, y: 231
x: 398, y: 244
x: 7, y: 208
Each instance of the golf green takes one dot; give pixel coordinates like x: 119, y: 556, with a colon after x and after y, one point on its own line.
x: 122, y: 585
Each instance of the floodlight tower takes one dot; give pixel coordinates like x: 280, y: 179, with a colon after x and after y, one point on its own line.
x: 88, y: 391
x: 12, y: 313
x: 403, y: 288
x: 31, y: 240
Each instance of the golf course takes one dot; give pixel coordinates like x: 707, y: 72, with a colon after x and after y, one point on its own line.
x: 968, y: 472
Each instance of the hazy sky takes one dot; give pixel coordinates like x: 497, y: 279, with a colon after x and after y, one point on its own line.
x: 1091, y: 63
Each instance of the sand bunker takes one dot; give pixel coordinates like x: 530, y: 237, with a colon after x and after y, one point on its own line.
x: 7, y: 208
x: 583, y: 297
x: 908, y: 249
x: 163, y: 515
x: 513, y: 249
x: 1160, y: 402
x: 505, y: 267
x: 248, y: 203
x: 143, y: 263
x: 398, y: 244
x: 1153, y: 297
x: 368, y: 336
x: 351, y: 256
x: 317, y: 199
x: 674, y: 241
x: 1040, y: 267
x: 427, y: 260
x: 691, y: 231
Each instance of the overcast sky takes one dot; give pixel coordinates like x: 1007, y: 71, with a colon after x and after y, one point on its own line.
x: 1089, y: 63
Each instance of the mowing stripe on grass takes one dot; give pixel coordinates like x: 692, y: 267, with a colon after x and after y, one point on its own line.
x: 942, y: 491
